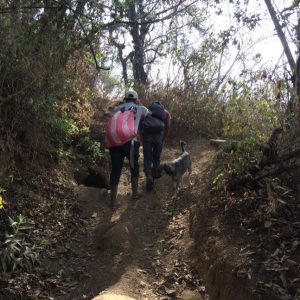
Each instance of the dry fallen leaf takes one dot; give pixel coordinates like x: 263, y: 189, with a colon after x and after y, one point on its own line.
x: 295, y: 280
x: 169, y: 291
x: 141, y: 271
x: 276, y: 252
x: 268, y: 224
x: 295, y: 244
x: 283, y: 279
x: 291, y: 262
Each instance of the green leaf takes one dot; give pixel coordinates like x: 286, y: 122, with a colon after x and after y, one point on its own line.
x: 268, y: 224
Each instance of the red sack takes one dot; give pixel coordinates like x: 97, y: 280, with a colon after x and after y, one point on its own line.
x: 120, y: 129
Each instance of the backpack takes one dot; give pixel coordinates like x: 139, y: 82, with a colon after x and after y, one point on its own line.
x: 120, y: 128
x: 158, y: 110
x: 154, y: 123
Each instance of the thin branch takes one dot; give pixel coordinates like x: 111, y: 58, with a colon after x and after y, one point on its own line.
x: 293, y: 6
x: 86, y: 36
x: 253, y: 178
x: 119, y: 22
x: 9, y: 9
x: 91, y: 47
x: 5, y: 99
x: 279, y: 170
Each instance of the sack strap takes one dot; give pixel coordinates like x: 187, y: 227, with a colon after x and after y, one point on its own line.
x: 131, y: 155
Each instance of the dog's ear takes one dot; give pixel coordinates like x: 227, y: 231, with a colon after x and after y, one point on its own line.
x: 165, y: 166
x: 172, y: 168
x: 169, y: 169
x: 161, y: 168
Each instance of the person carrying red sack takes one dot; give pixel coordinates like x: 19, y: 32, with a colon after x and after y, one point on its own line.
x: 122, y: 140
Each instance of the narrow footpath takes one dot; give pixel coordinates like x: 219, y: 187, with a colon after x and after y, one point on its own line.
x: 142, y: 249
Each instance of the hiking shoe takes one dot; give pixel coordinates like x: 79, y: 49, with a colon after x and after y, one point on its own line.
x: 134, y: 186
x: 137, y: 195
x: 156, y: 173
x: 149, y: 183
x: 113, y: 196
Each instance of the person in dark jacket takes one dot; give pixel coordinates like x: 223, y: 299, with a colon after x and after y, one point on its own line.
x: 153, y: 140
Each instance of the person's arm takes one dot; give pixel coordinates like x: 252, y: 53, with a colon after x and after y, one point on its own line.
x: 144, y: 112
x: 116, y: 108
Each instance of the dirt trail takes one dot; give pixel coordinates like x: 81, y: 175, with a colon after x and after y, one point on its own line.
x: 141, y: 251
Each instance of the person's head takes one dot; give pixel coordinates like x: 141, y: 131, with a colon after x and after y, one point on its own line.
x: 131, y: 96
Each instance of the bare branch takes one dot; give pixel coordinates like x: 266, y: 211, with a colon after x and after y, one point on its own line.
x: 149, y: 21
x: 293, y: 6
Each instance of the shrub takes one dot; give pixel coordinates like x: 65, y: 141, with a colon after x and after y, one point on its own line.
x: 17, y: 250
x: 249, y: 119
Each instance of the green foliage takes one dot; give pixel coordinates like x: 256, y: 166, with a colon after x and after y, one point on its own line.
x: 91, y: 153
x: 63, y: 130
x: 17, y: 250
x: 250, y: 116
x: 73, y: 141
x: 1, y: 198
x: 45, y: 73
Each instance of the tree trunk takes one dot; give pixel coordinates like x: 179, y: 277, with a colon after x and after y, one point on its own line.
x: 281, y: 36
x: 15, y: 25
x: 138, y: 33
x: 296, y: 80
x: 293, y: 66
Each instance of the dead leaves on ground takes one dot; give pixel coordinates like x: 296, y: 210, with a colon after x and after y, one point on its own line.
x: 270, y: 216
x: 50, y: 204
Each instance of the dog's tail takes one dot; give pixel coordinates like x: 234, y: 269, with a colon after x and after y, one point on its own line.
x: 183, y: 145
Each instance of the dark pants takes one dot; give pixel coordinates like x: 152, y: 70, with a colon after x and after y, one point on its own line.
x: 117, y: 155
x: 152, y: 147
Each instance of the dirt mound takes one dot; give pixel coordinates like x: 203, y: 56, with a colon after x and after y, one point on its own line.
x: 112, y: 297
x: 119, y: 236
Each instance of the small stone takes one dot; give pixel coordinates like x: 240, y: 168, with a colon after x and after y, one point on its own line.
x: 143, y: 283
x: 190, y: 295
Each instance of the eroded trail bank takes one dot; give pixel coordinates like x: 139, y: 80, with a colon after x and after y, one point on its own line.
x: 142, y: 249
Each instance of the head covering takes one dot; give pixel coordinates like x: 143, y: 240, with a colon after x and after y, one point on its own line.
x: 131, y: 95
